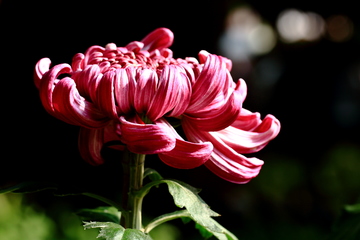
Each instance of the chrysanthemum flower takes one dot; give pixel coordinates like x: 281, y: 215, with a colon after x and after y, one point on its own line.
x: 135, y: 95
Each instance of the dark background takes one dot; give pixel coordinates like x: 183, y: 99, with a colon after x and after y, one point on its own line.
x: 311, y: 168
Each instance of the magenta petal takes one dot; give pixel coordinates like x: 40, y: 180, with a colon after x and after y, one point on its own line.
x: 249, y: 141
x: 158, y: 39
x: 105, y: 94
x: 47, y: 84
x: 73, y: 108
x: 217, y: 118
x: 147, y: 138
x: 173, y: 93
x: 233, y: 167
x: 41, y: 67
x: 224, y: 161
x: 210, y: 83
x: 124, y: 88
x: 90, y: 144
x: 187, y: 155
x: 147, y: 82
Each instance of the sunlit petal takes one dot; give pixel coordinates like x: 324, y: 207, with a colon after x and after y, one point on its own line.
x: 41, y: 67
x: 73, y: 108
x: 147, y: 138
x: 186, y: 155
x: 158, y: 39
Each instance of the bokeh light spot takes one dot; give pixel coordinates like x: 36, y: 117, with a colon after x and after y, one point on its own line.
x: 294, y: 25
x: 339, y: 28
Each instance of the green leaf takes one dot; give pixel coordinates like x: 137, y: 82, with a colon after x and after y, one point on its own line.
x: 101, y: 214
x: 347, y: 225
x: 187, y: 196
x: 28, y: 187
x: 113, y: 231
x: 203, y: 231
x: 152, y: 174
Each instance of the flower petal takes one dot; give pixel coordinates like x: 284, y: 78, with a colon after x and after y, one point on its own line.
x: 147, y: 81
x: 73, y: 108
x: 91, y: 142
x: 173, y: 93
x: 211, y: 82
x: 223, y: 114
x: 124, y: 88
x: 234, y: 167
x: 41, y: 67
x: 158, y: 39
x: 105, y: 95
x: 47, y: 84
x: 243, y: 141
x: 225, y: 161
x: 186, y: 155
x: 146, y: 138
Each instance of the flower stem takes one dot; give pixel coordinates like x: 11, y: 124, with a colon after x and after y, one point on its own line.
x: 133, y: 167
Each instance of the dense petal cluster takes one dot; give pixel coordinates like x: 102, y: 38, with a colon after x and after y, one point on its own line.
x: 134, y: 95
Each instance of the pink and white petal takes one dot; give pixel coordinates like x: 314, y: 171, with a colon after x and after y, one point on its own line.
x: 105, y: 95
x: 90, y: 143
x: 231, y: 167
x: 147, y: 82
x: 186, y: 155
x: 78, y: 62
x: 73, y: 108
x: 87, y: 80
x: 247, y: 120
x: 225, y: 161
x: 124, y: 88
x: 146, y: 138
x: 41, y: 67
x: 173, y: 93
x: 92, y: 55
x: 209, y: 84
x: 249, y: 141
x: 158, y: 39
x: 218, y: 117
x: 48, y: 82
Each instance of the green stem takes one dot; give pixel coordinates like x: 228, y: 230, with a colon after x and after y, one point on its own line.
x: 133, y: 167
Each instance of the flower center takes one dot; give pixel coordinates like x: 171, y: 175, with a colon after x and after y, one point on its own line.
x: 113, y: 57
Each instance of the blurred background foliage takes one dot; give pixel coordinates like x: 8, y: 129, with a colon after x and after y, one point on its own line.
x: 301, y: 62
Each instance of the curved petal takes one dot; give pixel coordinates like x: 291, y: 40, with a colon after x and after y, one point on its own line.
x: 87, y: 81
x: 41, y: 67
x: 91, y: 142
x: 230, y: 167
x: 186, y: 155
x: 124, y: 88
x: 48, y: 83
x: 173, y: 93
x: 250, y: 141
x: 210, y: 83
x: 225, y: 161
x: 158, y: 39
x: 221, y: 116
x: 247, y: 120
x: 146, y: 138
x: 73, y: 108
x: 78, y: 62
x: 147, y: 82
x: 105, y: 95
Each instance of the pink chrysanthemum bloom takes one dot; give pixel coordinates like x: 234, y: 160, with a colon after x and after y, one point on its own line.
x: 132, y: 94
